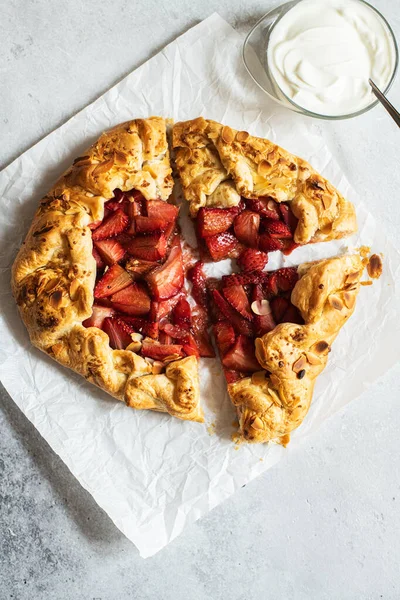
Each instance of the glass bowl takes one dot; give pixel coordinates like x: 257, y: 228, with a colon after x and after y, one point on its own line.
x: 255, y: 60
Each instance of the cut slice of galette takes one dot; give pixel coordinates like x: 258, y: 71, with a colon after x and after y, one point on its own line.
x: 99, y: 280
x: 274, y: 331
x: 247, y: 193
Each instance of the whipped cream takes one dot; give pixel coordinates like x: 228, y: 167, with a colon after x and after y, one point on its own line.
x: 321, y: 54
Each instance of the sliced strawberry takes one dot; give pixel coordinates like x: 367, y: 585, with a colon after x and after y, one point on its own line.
x: 271, y: 285
x: 133, y: 211
x: 268, y: 244
x: 292, y: 315
x: 224, y: 335
x: 243, y: 278
x: 200, y: 333
x: 277, y: 229
x: 149, y: 247
x: 286, y: 278
x: 112, y: 226
x: 114, y: 205
x: 115, y: 279
x: 264, y: 206
x: 223, y: 245
x: 136, y: 297
x: 232, y: 376
x: 198, y: 279
x: 150, y: 224
x: 252, y: 260
x: 157, y: 209
x: 160, y: 310
x: 288, y: 217
x: 118, y: 332
x: 279, y: 306
x: 237, y: 297
x: 211, y: 221
x: 176, y: 332
x: 190, y: 347
x: 99, y: 261
x: 241, y: 357
x: 262, y: 323
x: 239, y: 324
x: 99, y: 313
x: 167, y: 280
x: 164, y: 338
x: 138, y: 268
x: 181, y: 314
x: 246, y: 227
x: 160, y: 351
x: 94, y: 225
x: 170, y: 232
x: 110, y: 250
x: 142, y: 326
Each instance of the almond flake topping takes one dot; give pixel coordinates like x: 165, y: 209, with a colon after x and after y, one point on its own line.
x: 335, y: 302
x: 261, y: 307
x: 299, y: 364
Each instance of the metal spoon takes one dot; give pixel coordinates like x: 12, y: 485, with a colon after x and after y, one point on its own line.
x: 385, y: 102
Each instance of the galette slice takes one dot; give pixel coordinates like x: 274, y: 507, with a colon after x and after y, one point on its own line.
x: 274, y: 331
x: 248, y: 193
x: 99, y: 281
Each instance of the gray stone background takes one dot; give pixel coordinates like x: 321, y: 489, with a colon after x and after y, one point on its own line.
x: 325, y: 523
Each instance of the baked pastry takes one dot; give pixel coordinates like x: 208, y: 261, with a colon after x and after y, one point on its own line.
x: 274, y: 331
x: 100, y: 275
x: 247, y: 192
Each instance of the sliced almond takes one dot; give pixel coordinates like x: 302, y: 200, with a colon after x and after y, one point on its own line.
x: 320, y: 347
x: 56, y: 299
x: 264, y: 168
x: 326, y: 201
x: 119, y: 157
x: 52, y: 285
x: 103, y: 167
x: 81, y: 160
x: 136, y: 337
x: 352, y: 277
x: 134, y: 346
x: 375, y: 266
x: 299, y: 364
x: 157, y: 367
x: 261, y: 307
x: 349, y: 299
x: 73, y: 288
x: 256, y: 423
x: 171, y: 358
x: 275, y: 398
x: 242, y: 136
x: 313, y: 359
x: 227, y: 135
x: 258, y: 378
x: 335, y: 302
x: 366, y: 283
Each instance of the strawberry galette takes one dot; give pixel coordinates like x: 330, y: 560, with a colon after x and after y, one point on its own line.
x: 248, y: 193
x: 100, y: 278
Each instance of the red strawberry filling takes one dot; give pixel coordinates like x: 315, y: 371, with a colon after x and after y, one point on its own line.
x: 260, y: 224
x: 139, y: 298
x: 246, y: 306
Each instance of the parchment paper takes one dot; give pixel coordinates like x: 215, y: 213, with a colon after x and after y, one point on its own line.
x: 151, y: 473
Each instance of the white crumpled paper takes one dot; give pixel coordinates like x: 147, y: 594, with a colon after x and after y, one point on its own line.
x: 151, y: 473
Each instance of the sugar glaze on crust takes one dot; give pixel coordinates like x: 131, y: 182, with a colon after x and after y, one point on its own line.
x: 217, y: 165
x: 274, y: 402
x: 54, y: 273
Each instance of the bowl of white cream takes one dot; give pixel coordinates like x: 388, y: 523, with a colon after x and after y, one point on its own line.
x: 316, y: 56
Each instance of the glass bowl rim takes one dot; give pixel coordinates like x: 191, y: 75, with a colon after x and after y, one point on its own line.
x: 297, y: 107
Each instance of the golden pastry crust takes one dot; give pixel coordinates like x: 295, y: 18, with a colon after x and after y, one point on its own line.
x: 54, y: 273
x: 273, y: 402
x: 217, y: 165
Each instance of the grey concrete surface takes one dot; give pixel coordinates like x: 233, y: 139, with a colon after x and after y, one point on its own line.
x: 325, y: 523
